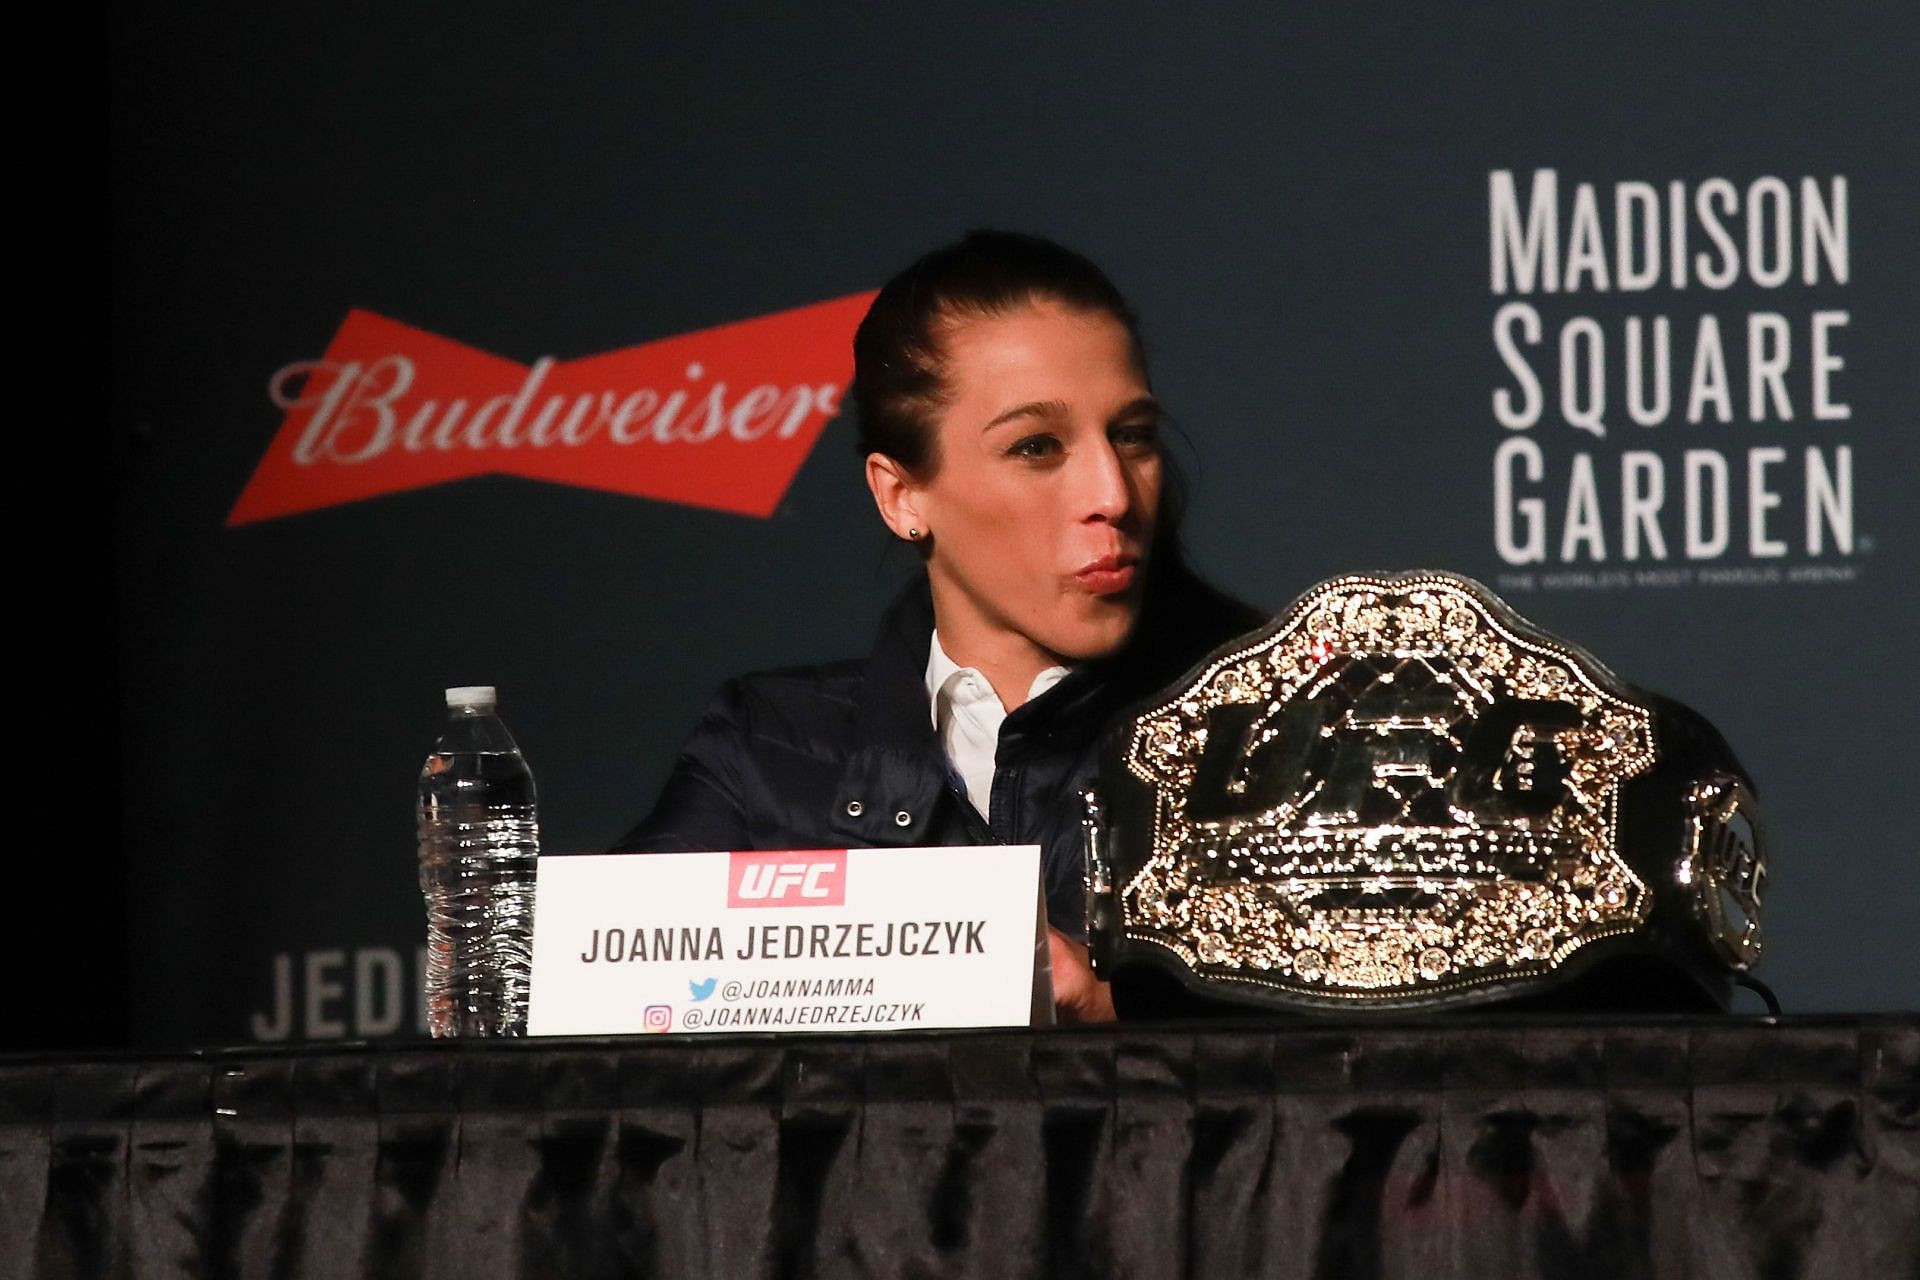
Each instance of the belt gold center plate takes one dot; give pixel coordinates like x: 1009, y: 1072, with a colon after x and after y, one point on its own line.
x: 1401, y: 788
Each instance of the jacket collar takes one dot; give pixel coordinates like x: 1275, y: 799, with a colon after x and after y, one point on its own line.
x: 895, y: 775
x: 894, y: 710
x: 896, y: 766
x: 893, y: 702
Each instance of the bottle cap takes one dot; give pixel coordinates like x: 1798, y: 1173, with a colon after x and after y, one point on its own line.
x: 471, y: 695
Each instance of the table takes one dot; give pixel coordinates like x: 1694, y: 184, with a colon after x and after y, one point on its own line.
x: 1472, y: 1148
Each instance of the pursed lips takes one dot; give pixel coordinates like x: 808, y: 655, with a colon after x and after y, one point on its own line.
x: 1109, y: 575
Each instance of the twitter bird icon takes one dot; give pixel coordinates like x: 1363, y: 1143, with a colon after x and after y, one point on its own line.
x: 701, y: 990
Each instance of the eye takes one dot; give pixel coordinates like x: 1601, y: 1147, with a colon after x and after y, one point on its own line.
x: 1139, y: 437
x: 1034, y: 446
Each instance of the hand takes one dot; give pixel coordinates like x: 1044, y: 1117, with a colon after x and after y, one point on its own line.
x: 1078, y: 996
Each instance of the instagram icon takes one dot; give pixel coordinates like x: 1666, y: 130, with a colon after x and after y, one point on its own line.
x: 659, y: 1017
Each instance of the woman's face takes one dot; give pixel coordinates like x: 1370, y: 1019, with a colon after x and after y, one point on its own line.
x: 1043, y: 487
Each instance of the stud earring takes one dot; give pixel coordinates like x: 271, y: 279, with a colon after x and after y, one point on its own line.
x: 913, y: 534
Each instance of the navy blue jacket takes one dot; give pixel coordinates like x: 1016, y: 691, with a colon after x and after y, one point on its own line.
x: 844, y: 755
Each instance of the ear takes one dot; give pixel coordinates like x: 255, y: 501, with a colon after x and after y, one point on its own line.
x: 896, y: 495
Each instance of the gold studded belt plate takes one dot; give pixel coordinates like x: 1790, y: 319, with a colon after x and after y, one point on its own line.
x: 1400, y: 793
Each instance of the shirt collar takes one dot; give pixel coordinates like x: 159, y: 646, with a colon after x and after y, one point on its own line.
x: 947, y: 682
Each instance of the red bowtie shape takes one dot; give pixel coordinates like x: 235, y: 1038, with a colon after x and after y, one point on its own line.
x: 721, y: 418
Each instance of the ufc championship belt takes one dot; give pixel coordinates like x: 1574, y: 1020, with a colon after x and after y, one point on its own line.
x: 1400, y: 794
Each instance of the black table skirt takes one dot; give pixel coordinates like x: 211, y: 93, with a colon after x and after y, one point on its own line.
x: 1724, y: 1148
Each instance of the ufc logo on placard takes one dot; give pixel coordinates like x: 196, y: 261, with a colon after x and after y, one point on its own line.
x: 788, y: 878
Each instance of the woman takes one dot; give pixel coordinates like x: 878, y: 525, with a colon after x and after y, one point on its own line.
x: 1011, y: 434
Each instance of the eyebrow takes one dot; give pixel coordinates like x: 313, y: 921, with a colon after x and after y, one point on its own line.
x: 1032, y: 409
x: 1059, y: 409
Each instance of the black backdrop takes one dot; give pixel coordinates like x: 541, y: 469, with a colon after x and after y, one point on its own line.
x: 1299, y: 203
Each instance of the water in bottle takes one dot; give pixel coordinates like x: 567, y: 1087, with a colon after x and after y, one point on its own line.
x: 479, y: 843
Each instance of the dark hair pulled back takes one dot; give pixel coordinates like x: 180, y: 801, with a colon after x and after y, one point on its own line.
x: 899, y: 361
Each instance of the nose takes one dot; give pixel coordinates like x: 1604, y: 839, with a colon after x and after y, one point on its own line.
x: 1106, y: 491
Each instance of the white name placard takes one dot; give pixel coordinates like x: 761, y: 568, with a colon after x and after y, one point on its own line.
x: 831, y: 940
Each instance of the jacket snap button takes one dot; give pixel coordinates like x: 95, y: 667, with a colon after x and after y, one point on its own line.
x: 855, y: 808
x: 902, y: 819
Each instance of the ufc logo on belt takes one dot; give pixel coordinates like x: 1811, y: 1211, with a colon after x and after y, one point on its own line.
x: 1325, y: 763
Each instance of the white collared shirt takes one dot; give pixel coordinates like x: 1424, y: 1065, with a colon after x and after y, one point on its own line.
x: 967, y: 715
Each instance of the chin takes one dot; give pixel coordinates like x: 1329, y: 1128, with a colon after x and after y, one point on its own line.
x: 1101, y: 633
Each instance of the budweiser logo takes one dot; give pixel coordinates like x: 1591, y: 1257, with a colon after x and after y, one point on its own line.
x: 786, y: 878
x: 721, y: 418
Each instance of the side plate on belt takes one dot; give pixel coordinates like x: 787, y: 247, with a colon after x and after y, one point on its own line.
x: 1398, y: 789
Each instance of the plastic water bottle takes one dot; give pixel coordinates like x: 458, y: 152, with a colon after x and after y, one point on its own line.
x: 479, y: 844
